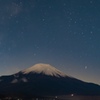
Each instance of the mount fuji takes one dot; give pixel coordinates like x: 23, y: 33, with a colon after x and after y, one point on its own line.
x: 44, y: 80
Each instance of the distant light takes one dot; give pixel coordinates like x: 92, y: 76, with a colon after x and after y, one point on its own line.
x: 86, y: 67
x: 55, y: 96
x: 72, y: 95
x: 36, y: 98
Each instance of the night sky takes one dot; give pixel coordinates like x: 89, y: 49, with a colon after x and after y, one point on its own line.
x: 62, y: 33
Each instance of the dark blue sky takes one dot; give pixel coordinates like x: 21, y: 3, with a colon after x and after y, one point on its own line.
x: 63, y: 33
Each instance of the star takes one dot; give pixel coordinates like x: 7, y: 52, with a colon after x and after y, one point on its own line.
x: 86, y: 67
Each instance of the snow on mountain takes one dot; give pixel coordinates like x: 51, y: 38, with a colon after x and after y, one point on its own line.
x: 14, y: 81
x: 44, y: 69
x: 22, y: 79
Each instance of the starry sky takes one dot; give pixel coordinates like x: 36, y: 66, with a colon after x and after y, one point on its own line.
x: 63, y: 33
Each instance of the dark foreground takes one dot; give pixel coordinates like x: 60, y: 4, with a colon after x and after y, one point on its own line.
x: 79, y: 98
x: 56, y: 98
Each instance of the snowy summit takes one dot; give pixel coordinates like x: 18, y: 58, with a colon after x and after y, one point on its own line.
x: 44, y: 69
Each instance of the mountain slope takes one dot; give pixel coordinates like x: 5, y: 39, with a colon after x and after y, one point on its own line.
x: 43, y: 80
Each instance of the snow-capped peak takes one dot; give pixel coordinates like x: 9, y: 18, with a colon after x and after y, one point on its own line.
x: 45, y: 69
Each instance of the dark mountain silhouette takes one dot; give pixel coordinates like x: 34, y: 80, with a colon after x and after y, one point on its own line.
x: 44, y: 80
